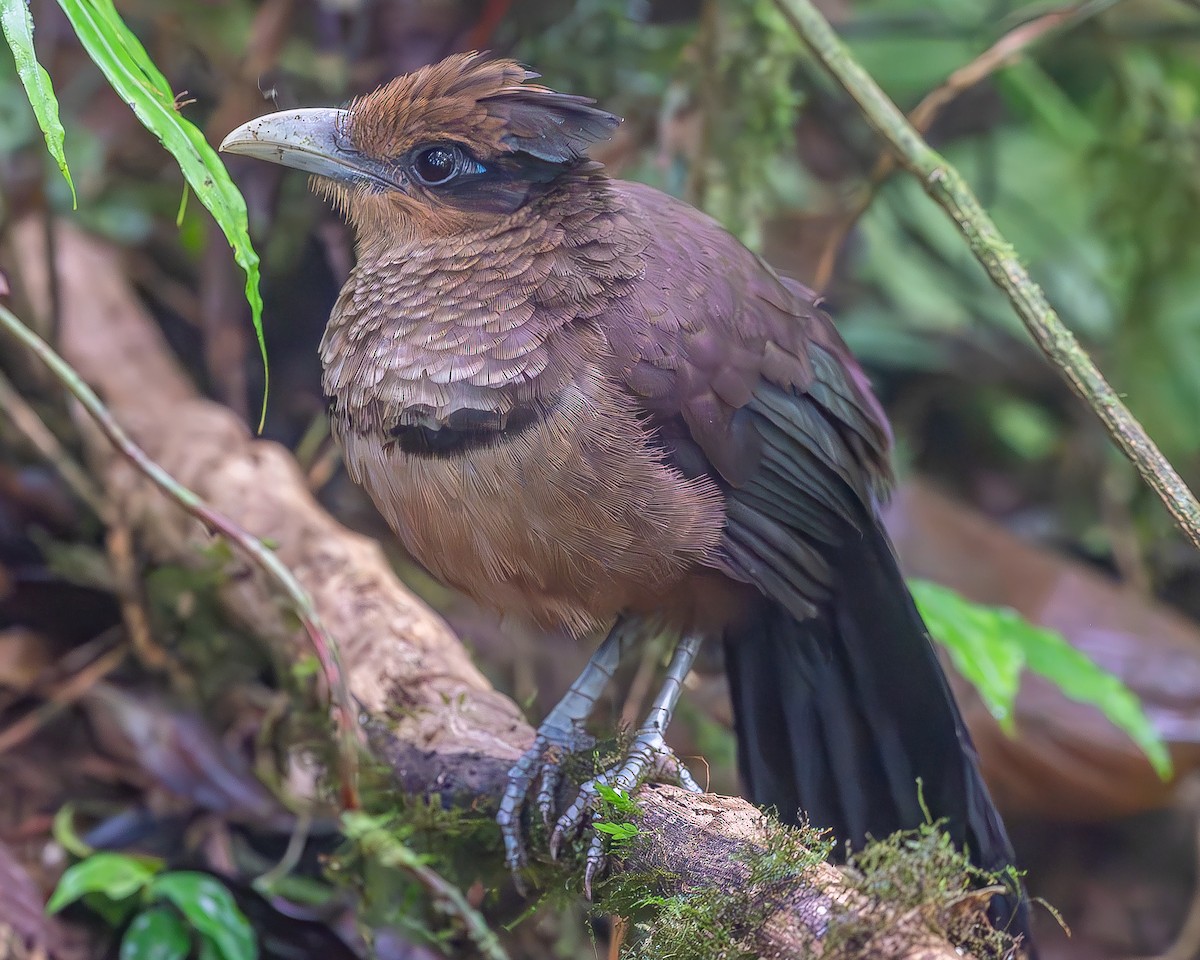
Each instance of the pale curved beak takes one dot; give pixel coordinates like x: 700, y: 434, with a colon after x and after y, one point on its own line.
x: 312, y: 140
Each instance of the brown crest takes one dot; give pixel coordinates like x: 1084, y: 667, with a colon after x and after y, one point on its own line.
x: 488, y: 106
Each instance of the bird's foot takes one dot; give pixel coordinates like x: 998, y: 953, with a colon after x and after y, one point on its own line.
x: 649, y: 759
x: 563, y: 733
x: 541, y: 762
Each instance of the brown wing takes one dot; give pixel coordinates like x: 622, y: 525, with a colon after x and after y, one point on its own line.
x: 840, y: 705
x: 749, y: 381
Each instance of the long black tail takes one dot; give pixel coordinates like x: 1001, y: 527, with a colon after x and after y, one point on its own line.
x: 839, y: 716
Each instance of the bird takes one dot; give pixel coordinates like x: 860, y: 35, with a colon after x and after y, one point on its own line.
x: 586, y: 405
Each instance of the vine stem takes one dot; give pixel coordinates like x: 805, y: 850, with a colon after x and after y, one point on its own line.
x: 950, y: 191
x: 326, y: 650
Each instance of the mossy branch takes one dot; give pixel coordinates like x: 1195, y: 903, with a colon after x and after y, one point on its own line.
x: 948, y: 188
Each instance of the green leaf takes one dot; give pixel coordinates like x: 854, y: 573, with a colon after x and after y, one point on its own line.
x: 618, y: 831
x: 17, y: 24
x: 1025, y: 427
x: 114, y: 913
x: 114, y: 875
x: 209, y: 907
x: 615, y: 797
x: 991, y: 645
x: 124, y: 62
x: 1047, y: 653
x: 156, y: 934
x: 981, y: 651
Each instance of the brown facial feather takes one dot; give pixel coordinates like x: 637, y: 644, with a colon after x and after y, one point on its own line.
x: 487, y: 105
x: 519, y: 135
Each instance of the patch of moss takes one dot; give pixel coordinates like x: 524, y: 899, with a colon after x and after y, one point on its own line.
x: 915, y: 874
x: 919, y: 874
x: 668, y: 923
x: 788, y: 854
x: 211, y: 654
x: 703, y: 925
x: 462, y: 845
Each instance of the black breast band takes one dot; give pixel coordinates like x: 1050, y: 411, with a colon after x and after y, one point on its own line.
x: 464, y: 430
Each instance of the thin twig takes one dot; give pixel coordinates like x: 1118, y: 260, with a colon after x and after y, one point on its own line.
x: 349, y: 734
x: 948, y: 188
x: 376, y: 840
x: 22, y: 416
x: 620, y: 930
x: 1004, y: 52
x: 61, y: 696
x: 119, y: 546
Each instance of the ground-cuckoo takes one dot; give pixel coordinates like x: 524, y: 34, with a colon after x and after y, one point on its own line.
x: 584, y: 403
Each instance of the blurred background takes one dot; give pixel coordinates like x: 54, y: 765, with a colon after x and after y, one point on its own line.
x: 1078, y: 125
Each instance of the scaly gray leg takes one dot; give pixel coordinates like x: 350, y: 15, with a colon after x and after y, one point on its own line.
x: 649, y: 757
x: 561, y: 733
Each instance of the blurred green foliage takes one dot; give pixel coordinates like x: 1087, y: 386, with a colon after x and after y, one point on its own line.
x: 991, y: 646
x: 1091, y: 171
x: 165, y: 915
x: 133, y: 74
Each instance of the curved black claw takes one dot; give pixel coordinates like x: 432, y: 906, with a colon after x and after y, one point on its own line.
x: 596, y: 861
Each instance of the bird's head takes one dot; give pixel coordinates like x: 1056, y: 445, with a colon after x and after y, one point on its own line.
x: 436, y: 152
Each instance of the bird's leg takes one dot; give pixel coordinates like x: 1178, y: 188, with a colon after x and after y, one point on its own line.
x: 561, y: 733
x: 648, y: 758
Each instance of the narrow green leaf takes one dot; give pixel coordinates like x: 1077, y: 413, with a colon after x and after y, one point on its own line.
x: 63, y: 830
x: 114, y: 875
x: 615, y: 796
x: 17, y: 24
x: 982, y: 654
x: 1047, y: 653
x: 156, y: 934
x: 990, y: 645
x: 618, y: 831
x: 179, y: 215
x: 209, y: 907
x: 124, y: 62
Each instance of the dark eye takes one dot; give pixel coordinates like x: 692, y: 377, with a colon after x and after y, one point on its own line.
x: 435, y: 165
